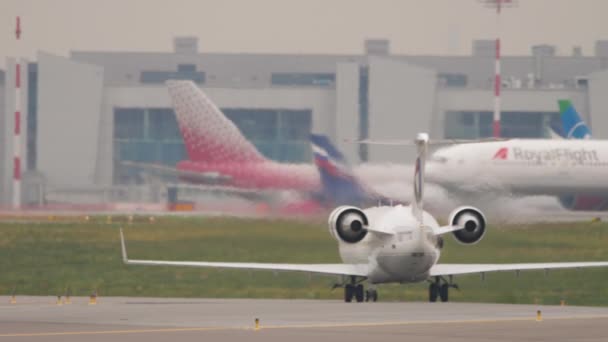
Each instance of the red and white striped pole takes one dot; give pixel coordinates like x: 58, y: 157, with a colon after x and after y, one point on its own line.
x: 497, y: 84
x: 499, y: 5
x: 17, y: 131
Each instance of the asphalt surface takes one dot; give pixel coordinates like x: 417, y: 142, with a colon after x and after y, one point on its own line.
x: 148, y: 319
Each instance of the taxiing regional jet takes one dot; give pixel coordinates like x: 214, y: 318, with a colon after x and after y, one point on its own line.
x: 390, y: 244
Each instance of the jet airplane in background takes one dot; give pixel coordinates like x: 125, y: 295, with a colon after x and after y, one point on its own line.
x: 574, y: 170
x: 390, y: 244
x: 219, y: 153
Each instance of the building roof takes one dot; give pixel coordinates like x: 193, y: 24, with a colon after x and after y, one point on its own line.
x: 252, y: 70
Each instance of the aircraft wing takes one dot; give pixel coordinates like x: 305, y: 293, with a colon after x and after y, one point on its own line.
x: 333, y: 269
x: 163, y: 170
x: 456, y: 269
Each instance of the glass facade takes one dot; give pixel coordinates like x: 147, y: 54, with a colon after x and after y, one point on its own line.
x: 363, y: 112
x: 32, y: 115
x: 474, y: 124
x: 279, y: 134
x: 452, y: 80
x: 152, y: 136
x: 303, y: 79
x: 145, y: 135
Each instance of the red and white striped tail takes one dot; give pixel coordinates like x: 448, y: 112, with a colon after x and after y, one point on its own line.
x: 209, y: 136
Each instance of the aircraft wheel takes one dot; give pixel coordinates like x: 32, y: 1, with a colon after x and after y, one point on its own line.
x: 373, y: 295
x: 349, y: 291
x: 443, y: 292
x: 359, y: 293
x: 433, y: 292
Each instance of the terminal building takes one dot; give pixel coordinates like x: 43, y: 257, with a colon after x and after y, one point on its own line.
x: 87, y: 113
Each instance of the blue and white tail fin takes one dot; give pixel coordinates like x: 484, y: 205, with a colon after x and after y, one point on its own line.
x: 340, y: 186
x: 422, y: 142
x: 574, y: 126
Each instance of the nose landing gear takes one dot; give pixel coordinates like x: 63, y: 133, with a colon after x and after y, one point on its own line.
x: 355, y: 290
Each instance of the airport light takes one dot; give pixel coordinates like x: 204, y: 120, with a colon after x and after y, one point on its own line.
x: 498, y: 5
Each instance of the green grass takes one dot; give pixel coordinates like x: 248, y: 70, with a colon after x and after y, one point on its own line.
x: 45, y: 258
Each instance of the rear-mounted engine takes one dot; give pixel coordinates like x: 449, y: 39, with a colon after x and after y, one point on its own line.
x: 348, y: 224
x: 474, y: 224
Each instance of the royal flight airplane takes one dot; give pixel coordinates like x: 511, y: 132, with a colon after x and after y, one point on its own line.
x: 574, y: 169
x: 390, y: 244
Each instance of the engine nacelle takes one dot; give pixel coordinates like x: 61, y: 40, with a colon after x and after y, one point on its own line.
x: 348, y: 224
x: 474, y: 224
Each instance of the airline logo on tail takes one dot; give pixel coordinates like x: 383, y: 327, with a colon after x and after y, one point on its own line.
x: 327, y: 158
x: 574, y: 126
x: 340, y: 186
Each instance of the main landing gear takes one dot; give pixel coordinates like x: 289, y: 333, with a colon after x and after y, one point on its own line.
x: 440, y: 288
x: 355, y: 290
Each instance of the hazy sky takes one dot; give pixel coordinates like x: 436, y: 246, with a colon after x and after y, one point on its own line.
x: 298, y: 26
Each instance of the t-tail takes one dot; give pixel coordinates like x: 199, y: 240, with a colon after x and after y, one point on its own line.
x: 574, y: 126
x: 340, y: 186
x: 422, y: 142
x: 209, y: 136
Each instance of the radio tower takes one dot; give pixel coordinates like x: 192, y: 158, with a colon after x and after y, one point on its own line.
x: 498, y: 5
x: 17, y: 131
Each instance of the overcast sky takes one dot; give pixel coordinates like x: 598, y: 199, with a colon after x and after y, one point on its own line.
x: 298, y: 26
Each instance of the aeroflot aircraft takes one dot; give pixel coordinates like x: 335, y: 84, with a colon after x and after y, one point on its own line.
x: 574, y: 170
x: 388, y: 244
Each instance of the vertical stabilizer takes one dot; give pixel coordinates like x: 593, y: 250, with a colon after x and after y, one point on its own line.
x: 340, y: 186
x: 422, y: 141
x: 208, y: 134
x: 574, y: 126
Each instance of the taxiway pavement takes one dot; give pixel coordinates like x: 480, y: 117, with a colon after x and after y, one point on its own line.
x: 153, y: 319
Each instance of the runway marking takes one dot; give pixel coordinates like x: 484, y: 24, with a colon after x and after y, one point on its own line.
x: 110, y: 332
x: 304, y: 326
x: 532, y: 318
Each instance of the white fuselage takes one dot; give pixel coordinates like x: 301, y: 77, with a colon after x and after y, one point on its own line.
x: 405, y: 256
x: 536, y: 167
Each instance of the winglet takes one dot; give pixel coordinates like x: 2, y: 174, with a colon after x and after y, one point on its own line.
x: 125, y: 259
